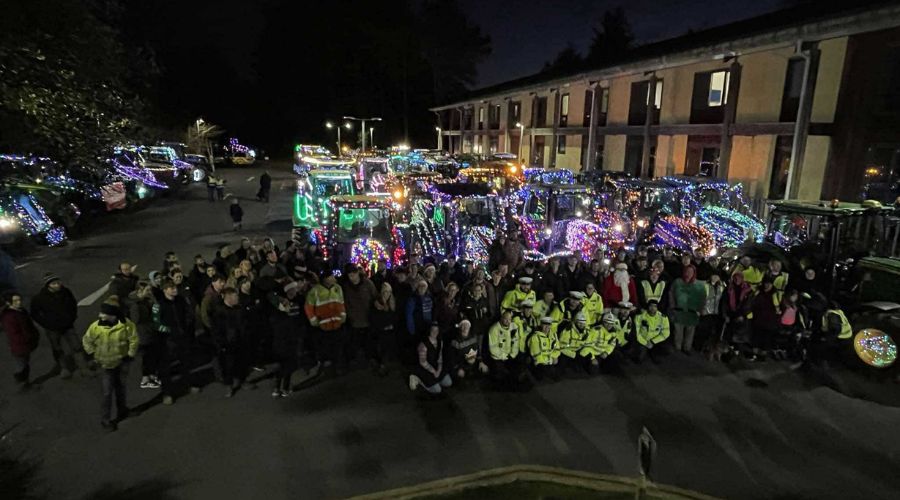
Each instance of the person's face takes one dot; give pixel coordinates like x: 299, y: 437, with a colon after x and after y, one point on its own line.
x: 55, y: 286
x: 15, y: 302
x: 246, y: 266
x: 429, y: 272
x: 231, y: 299
x: 713, y: 279
x: 526, y: 287
x: 685, y: 260
x: 810, y: 274
x: 271, y: 258
x: 245, y: 244
x: 354, y: 277
x: 291, y: 294
x: 548, y: 297
x: 464, y: 329
x: 433, y: 331
x: 505, y: 318
x: 177, y: 278
x: 572, y: 261
x: 452, y: 290
x: 667, y: 252
x: 545, y: 327
x: 527, y: 311
x: 652, y: 308
x: 595, y: 266
x: 479, y: 276
x: 589, y: 289
x: 477, y: 291
x: 504, y: 269
x: 775, y: 266
x: 125, y: 269
x: 171, y: 258
x: 746, y: 261
x: 793, y: 298
x: 329, y: 281
x: 218, y: 285
x: 245, y: 287
x: 199, y: 261
x: 572, y: 303
x: 622, y: 256
x: 658, y: 266
x: 170, y: 292
x: 210, y: 271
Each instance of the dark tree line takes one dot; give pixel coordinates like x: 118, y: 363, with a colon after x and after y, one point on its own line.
x: 79, y: 75
x: 612, y: 39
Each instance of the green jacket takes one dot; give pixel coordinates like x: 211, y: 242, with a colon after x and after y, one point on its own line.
x: 687, y: 300
x: 651, y: 330
x: 110, y: 344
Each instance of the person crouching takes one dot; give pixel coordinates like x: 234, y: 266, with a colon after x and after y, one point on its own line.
x: 429, y: 373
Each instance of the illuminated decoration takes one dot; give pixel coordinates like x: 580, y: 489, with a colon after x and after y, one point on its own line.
x: 548, y: 176
x: 424, y: 229
x: 531, y: 229
x: 366, y: 253
x: 730, y: 228
x: 682, y: 234
x: 875, y: 348
x: 399, y: 246
x: 56, y: 236
x: 476, y: 243
x: 135, y: 172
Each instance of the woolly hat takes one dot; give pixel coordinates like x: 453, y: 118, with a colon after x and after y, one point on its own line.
x: 291, y: 286
x: 50, y: 278
x: 110, y: 307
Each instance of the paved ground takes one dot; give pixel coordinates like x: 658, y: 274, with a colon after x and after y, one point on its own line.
x: 734, y: 431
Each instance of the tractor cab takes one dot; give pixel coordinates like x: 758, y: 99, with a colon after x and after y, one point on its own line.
x: 360, y: 231
x: 313, y: 191
x: 503, y: 176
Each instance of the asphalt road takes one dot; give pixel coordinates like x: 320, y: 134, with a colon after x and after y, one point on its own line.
x: 759, y: 431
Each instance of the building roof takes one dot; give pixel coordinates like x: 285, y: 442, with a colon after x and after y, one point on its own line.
x: 809, y: 21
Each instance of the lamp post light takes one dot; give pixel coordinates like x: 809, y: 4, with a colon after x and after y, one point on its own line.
x: 372, y: 137
x: 521, y: 137
x: 440, y: 139
x: 330, y: 126
x: 363, y: 120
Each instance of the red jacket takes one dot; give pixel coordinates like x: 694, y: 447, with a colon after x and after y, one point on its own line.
x: 20, y: 331
x: 612, y: 294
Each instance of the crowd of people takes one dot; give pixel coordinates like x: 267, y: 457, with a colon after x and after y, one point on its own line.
x: 508, y: 322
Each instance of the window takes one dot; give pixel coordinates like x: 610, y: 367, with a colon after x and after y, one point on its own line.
x: 493, y: 144
x: 780, y: 165
x: 561, y: 144
x: 540, y: 112
x: 564, y: 110
x: 718, y: 88
x: 481, y: 118
x: 588, y: 106
x: 634, y: 152
x: 793, y: 84
x: 515, y: 114
x: 494, y: 119
x: 657, y: 99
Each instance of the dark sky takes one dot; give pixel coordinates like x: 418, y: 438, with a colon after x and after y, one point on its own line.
x: 527, y: 33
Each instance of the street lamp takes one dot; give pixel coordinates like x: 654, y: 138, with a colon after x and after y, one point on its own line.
x: 363, y: 120
x: 347, y: 125
x: 198, y: 123
x: 521, y: 137
x: 372, y: 136
x: 440, y: 141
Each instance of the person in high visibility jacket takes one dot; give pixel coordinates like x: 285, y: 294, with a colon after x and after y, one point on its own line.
x: 525, y: 324
x: 326, y: 312
x: 572, y: 343
x: 543, y: 345
x: 653, y: 287
x: 652, y: 330
x: 779, y: 279
x: 568, y: 309
x: 113, y: 343
x: 835, y: 324
x: 619, y: 327
x: 514, y: 297
x: 547, y: 306
x: 592, y: 304
x: 503, y: 343
x: 753, y: 276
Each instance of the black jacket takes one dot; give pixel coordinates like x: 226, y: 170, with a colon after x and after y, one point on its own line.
x: 54, y: 310
x: 122, y: 286
x: 229, y: 324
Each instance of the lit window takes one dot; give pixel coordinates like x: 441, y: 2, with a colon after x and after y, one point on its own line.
x: 561, y: 144
x: 718, y: 88
x: 565, y: 105
x: 657, y: 101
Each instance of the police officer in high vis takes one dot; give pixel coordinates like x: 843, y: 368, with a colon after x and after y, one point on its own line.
x: 543, y: 345
x: 652, y: 330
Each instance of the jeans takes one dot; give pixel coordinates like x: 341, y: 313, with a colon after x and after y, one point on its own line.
x: 287, y: 365
x: 232, y: 360
x: 67, y: 349
x: 442, y: 383
x: 175, y: 348
x: 336, y: 343
x: 378, y: 345
x: 23, y: 368
x: 114, y: 387
x: 684, y: 337
x: 211, y: 191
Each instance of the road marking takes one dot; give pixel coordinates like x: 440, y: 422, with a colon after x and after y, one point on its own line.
x: 250, y: 179
x: 30, y: 262
x: 20, y: 266
x: 226, y: 196
x: 90, y: 299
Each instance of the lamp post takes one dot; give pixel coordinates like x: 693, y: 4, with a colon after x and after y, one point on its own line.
x: 372, y: 137
x: 521, y: 137
x: 346, y: 125
x: 440, y: 139
x: 363, y: 120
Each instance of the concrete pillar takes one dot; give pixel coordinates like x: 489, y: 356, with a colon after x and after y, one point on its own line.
x: 554, y: 139
x: 801, y: 126
x: 648, y: 122
x: 592, y: 127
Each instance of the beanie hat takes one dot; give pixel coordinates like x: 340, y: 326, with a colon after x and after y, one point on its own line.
x: 50, y: 278
x: 110, y: 307
x: 291, y: 286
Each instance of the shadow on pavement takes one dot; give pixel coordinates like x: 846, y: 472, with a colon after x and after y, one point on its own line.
x: 149, y: 489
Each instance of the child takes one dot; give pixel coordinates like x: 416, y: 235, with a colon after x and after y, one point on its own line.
x: 237, y: 214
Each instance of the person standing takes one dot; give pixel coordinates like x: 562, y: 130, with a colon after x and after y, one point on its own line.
x: 124, y: 281
x: 237, y: 214
x: 55, y: 309
x: 686, y: 301
x: 141, y: 303
x: 212, y: 298
x: 229, y: 332
x: 113, y: 344
x: 287, y: 330
x: 265, y: 186
x: 381, y: 338
x: 619, y: 289
x: 172, y: 318
x: 359, y: 295
x: 22, y: 336
x: 766, y: 317
x: 220, y: 188
x: 327, y: 313
x: 211, y: 187
x: 710, y: 327
x: 653, y: 286
x: 474, y: 307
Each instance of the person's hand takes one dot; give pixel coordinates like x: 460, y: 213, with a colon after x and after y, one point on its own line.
x: 483, y: 368
x: 460, y: 373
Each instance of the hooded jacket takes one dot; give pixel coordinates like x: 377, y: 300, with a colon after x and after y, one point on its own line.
x: 110, y: 344
x: 20, y: 331
x: 358, y: 300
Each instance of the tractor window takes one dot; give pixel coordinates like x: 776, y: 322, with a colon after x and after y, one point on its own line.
x: 331, y: 186
x: 355, y: 223
x: 476, y: 212
x: 571, y: 206
x: 535, y: 206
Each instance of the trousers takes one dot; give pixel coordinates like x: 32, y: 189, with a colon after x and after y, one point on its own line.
x: 113, y: 383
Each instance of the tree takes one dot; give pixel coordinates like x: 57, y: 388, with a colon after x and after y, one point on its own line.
x: 612, y: 40
x: 567, y: 61
x: 62, y: 81
x: 453, y: 47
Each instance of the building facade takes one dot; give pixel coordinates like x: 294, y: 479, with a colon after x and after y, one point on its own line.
x: 793, y: 105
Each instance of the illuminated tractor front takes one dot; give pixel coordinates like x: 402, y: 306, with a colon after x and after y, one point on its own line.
x: 360, y: 231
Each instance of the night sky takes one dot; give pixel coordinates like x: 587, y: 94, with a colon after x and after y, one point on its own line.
x: 527, y: 33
